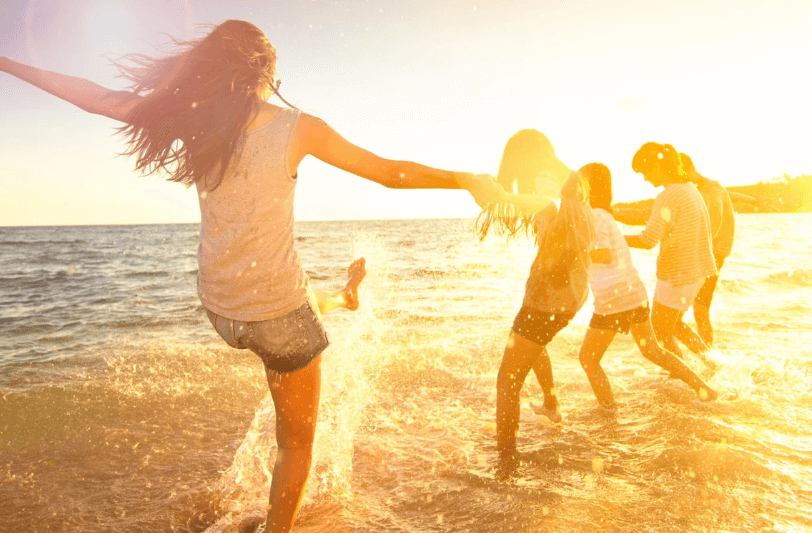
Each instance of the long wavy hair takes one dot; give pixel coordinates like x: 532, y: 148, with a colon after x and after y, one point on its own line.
x: 526, y: 155
x: 199, y: 102
x: 600, y: 185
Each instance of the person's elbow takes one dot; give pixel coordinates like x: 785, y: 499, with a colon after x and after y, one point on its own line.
x: 116, y: 105
x: 396, y: 176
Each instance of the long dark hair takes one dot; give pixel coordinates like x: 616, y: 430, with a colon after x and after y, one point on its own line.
x: 600, y: 185
x: 200, y: 101
x: 525, y: 156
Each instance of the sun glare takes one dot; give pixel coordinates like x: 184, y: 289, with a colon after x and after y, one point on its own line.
x: 109, y: 25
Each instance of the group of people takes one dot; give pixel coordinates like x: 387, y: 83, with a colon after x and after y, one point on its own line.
x: 201, y: 117
x: 581, y: 247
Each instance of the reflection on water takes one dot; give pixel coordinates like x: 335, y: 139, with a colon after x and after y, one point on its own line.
x: 121, y: 410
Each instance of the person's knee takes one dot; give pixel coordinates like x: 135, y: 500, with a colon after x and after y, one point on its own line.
x: 297, y: 442
x: 586, y: 359
x: 651, y: 353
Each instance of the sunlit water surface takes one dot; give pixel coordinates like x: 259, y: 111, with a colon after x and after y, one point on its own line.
x: 122, y: 411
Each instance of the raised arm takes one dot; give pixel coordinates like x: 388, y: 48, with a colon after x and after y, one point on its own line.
x: 82, y: 93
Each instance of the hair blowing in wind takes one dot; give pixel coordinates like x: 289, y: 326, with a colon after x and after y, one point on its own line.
x: 199, y: 102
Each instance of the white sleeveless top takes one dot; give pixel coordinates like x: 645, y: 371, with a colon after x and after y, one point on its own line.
x: 248, y: 267
x: 616, y: 286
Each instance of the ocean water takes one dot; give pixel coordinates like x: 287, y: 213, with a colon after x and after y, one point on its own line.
x: 121, y: 410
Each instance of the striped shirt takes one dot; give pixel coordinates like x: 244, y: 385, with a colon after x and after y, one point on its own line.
x: 679, y: 222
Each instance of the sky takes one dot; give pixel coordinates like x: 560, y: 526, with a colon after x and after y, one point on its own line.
x: 443, y: 83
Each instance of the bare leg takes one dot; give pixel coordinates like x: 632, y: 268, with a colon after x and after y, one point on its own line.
x: 703, y: 323
x: 647, y: 343
x: 596, y: 342
x: 689, y: 337
x: 296, y: 401
x: 664, y: 320
x: 346, y: 297
x: 520, y: 354
x: 544, y: 374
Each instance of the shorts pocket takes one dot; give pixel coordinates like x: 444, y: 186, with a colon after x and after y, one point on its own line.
x: 278, y: 338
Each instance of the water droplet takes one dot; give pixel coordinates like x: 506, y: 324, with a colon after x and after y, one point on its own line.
x: 597, y: 464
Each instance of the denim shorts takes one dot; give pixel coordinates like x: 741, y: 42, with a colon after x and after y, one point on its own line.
x: 285, y: 344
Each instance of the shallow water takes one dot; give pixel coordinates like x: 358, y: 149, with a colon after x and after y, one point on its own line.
x: 120, y: 409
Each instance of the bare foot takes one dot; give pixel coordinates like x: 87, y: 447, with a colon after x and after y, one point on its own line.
x: 356, y: 272
x: 553, y: 414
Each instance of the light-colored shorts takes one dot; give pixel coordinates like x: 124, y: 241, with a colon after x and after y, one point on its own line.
x: 679, y: 298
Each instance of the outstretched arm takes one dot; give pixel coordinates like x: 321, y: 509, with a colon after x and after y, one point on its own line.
x: 543, y: 201
x: 82, y: 93
x: 323, y: 142
x: 742, y: 198
x: 632, y: 217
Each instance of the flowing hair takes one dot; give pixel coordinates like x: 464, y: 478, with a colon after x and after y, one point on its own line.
x: 200, y: 100
x: 526, y: 155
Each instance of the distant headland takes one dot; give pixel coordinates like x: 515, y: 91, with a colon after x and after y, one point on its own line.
x: 779, y: 195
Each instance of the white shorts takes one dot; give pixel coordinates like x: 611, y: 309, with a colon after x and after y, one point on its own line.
x: 679, y: 298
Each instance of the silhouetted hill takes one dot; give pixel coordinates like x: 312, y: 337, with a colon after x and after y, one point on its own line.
x: 779, y: 195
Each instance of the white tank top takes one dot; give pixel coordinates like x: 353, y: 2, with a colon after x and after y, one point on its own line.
x: 248, y: 267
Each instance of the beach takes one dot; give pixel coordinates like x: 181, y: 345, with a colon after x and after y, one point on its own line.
x: 122, y: 410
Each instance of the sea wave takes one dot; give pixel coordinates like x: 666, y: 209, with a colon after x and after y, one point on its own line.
x: 790, y: 279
